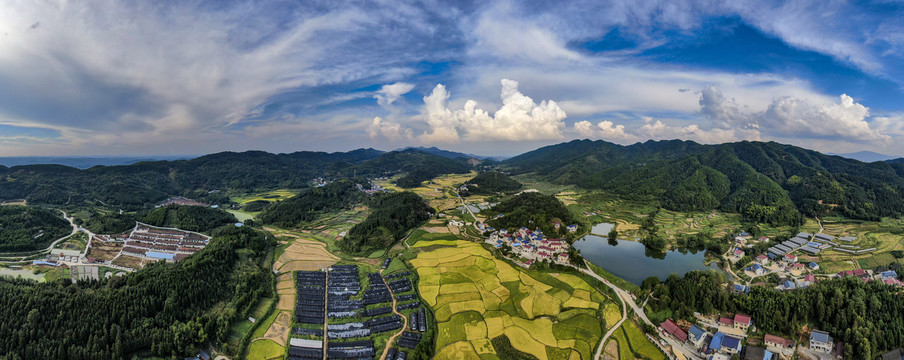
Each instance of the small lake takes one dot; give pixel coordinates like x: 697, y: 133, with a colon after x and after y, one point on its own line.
x: 602, y: 229
x: 631, y: 261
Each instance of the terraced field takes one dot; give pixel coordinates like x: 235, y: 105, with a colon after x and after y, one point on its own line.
x: 477, y: 298
x: 887, y: 236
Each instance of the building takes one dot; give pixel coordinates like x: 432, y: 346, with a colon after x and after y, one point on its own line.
x: 731, y: 345
x: 740, y: 289
x: 778, y: 342
x: 821, y: 341
x: 672, y: 328
x: 895, y: 354
x: 572, y: 228
x: 696, y: 335
x: 738, y: 253
x: 758, y: 269
x: 762, y: 259
x: 742, y: 322
x: 715, y: 345
x: 757, y: 353
x: 814, y: 266
x: 790, y: 258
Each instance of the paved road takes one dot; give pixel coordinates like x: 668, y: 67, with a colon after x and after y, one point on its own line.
x: 626, y: 298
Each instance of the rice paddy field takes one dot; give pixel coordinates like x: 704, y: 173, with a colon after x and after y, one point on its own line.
x: 477, y: 298
x: 270, y: 196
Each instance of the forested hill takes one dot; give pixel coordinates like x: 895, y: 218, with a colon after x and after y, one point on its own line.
x: 417, y: 165
x: 164, y: 310
x: 312, y: 203
x: 132, y: 187
x: 28, y: 228
x: 491, y: 182
x: 766, y: 181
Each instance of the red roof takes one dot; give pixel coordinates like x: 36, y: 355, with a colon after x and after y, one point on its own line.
x: 761, y: 257
x: 742, y: 319
x: 726, y: 321
x: 809, y: 278
x: 772, y: 339
x: 738, y: 251
x: 672, y: 328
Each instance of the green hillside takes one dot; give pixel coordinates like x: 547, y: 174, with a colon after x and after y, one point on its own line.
x: 490, y: 183
x: 768, y: 182
x: 27, y: 228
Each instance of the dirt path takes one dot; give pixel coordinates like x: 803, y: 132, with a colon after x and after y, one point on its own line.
x: 396, y: 311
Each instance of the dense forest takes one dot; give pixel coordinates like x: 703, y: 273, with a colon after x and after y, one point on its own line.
x: 191, y: 218
x: 765, y: 182
x: 25, y: 228
x: 391, y: 217
x: 533, y: 210
x: 163, y: 309
x: 490, y: 183
x: 311, y: 203
x: 209, y: 178
x: 417, y: 166
x: 206, y: 178
x: 865, y: 316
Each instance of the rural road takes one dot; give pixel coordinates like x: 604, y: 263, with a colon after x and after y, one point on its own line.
x: 396, y: 311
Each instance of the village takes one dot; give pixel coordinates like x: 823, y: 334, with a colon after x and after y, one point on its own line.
x: 723, y: 337
x: 801, y: 270
x: 531, y: 245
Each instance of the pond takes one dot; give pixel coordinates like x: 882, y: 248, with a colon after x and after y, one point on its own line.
x: 602, y: 229
x: 630, y: 260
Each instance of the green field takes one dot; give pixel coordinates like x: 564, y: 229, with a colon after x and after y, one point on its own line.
x: 264, y: 349
x: 477, y: 298
x: 271, y: 196
x: 639, y: 343
x: 886, y: 236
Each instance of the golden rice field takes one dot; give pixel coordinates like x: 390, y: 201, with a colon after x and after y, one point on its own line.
x: 477, y: 297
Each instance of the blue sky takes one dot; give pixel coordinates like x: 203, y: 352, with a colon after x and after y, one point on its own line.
x: 490, y: 77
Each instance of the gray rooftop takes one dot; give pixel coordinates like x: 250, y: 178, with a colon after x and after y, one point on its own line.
x: 810, y: 249
x: 820, y: 336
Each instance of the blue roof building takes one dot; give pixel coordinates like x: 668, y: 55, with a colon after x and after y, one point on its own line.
x: 789, y: 285
x: 731, y: 345
x: 888, y: 274
x: 160, y: 255
x: 238, y: 224
x: 696, y: 334
x: 814, y: 265
x: 741, y: 288
x: 716, y: 344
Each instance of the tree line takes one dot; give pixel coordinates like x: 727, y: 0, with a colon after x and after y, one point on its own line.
x: 161, y: 310
x: 865, y: 316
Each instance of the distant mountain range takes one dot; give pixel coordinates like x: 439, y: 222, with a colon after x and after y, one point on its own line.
x: 450, y: 154
x: 866, y: 156
x: 84, y: 162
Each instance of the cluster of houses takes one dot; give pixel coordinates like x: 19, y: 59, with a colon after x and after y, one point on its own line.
x: 179, y: 200
x: 531, y: 245
x: 727, y: 338
x: 884, y: 275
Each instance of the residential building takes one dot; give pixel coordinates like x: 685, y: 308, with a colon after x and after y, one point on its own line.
x: 814, y: 266
x: 742, y: 322
x: 762, y: 259
x: 757, y: 353
x: 738, y: 253
x: 696, y: 335
x: 778, y: 342
x: 895, y: 354
x: 790, y: 258
x: 821, y: 341
x: 731, y: 345
x: 672, y: 328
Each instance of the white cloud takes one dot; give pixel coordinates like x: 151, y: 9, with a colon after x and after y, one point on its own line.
x: 388, y: 94
x: 792, y: 117
x: 392, y: 131
x: 658, y: 130
x: 604, y: 130
x: 519, y: 118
